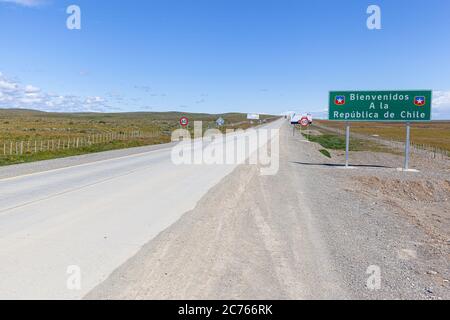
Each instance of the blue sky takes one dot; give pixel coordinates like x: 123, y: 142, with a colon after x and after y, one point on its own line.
x: 218, y: 55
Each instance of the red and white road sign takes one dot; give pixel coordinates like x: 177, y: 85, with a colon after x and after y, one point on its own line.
x: 304, y: 122
x: 184, y: 122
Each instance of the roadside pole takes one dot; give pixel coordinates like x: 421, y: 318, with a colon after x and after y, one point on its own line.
x: 407, y: 145
x: 347, y: 143
x: 293, y: 130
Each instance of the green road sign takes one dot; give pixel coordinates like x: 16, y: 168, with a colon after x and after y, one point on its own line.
x: 405, y: 106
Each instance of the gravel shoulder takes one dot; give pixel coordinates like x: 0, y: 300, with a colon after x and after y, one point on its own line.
x: 309, y: 232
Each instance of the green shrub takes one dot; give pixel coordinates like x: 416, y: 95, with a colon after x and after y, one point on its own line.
x: 325, y: 152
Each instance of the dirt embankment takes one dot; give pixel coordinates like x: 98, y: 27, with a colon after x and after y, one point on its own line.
x: 425, y: 202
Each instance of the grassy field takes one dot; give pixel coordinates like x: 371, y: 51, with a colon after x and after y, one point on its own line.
x: 28, y: 127
x: 333, y: 141
x: 433, y: 134
x: 26, y: 124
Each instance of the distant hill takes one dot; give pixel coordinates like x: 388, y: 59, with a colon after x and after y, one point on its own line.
x: 170, y: 115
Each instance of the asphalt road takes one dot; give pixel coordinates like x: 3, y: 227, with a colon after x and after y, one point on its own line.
x: 94, y: 216
x: 307, y: 232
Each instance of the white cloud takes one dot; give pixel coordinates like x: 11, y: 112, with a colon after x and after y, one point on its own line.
x: 14, y: 95
x: 441, y: 98
x: 93, y: 100
x: 29, y: 89
x: 441, y: 104
x: 7, y: 85
x: 26, y: 3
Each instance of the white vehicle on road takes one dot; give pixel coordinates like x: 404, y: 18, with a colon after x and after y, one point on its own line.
x: 296, y: 117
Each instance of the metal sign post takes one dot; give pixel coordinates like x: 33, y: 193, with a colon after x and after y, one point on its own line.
x: 347, y: 143
x: 407, y: 145
x: 303, y: 122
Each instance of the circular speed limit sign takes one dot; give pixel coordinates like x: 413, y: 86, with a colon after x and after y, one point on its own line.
x: 184, y: 122
x: 304, y: 122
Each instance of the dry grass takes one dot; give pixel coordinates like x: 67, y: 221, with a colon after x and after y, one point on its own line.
x: 26, y: 124
x: 433, y: 134
x: 155, y: 128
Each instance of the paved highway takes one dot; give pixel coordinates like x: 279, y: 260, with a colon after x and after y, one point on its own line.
x: 95, y: 216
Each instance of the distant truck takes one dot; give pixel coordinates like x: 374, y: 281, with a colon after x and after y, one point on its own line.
x: 296, y: 117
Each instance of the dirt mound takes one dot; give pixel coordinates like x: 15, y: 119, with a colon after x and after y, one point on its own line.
x: 416, y: 190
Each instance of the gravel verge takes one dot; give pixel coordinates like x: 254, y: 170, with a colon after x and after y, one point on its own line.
x: 309, y: 232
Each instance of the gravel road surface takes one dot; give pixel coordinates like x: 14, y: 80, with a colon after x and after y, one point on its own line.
x: 313, y: 231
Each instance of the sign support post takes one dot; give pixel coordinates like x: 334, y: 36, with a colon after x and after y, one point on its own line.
x: 407, y: 145
x: 304, y: 123
x: 347, y: 143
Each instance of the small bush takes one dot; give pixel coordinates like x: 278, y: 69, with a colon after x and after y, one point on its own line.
x: 328, y: 141
x: 325, y: 152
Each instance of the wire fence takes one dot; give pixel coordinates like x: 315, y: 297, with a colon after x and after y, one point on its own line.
x: 33, y: 146
x: 424, y: 150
